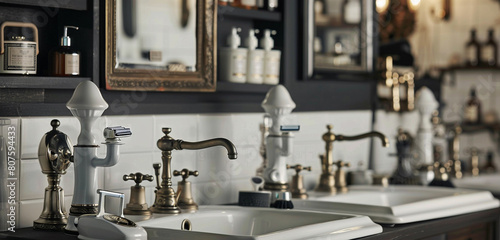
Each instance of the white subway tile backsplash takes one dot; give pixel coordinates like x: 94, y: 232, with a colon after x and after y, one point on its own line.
x: 183, y: 126
x: 219, y: 179
x: 214, y: 126
x: 33, y: 182
x: 142, y: 127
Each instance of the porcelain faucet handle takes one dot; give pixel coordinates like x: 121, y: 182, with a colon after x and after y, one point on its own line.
x: 185, y: 173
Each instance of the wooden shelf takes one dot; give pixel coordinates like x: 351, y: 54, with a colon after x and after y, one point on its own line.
x: 40, y: 82
x: 475, y: 128
x: 468, y: 68
x: 71, y: 4
x: 243, y: 87
x: 234, y: 12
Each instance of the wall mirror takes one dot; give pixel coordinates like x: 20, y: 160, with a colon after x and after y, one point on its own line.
x: 338, y: 35
x: 158, y: 45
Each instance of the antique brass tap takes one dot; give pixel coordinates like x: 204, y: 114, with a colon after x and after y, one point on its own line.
x: 166, y: 199
x: 137, y: 204
x: 474, y: 161
x: 327, y: 180
x: 454, y: 163
x: 340, y: 176
x: 297, y: 186
x: 185, y: 200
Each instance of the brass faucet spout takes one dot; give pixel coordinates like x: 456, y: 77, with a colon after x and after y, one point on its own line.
x: 231, y: 149
x: 383, y: 138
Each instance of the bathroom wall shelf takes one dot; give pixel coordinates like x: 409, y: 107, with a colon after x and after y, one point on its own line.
x: 51, y: 5
x: 234, y: 12
x: 47, y: 96
x: 243, y: 87
x: 40, y: 82
x: 468, y: 68
x: 471, y: 129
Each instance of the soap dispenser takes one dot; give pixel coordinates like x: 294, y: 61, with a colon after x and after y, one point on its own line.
x: 255, y: 60
x: 65, y: 59
x: 233, y: 59
x: 271, y: 58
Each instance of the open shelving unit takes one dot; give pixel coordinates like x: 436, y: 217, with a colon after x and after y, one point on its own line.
x: 229, y: 17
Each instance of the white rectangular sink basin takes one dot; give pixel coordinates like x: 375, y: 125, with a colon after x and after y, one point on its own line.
x: 401, y: 204
x: 488, y: 182
x: 233, y: 222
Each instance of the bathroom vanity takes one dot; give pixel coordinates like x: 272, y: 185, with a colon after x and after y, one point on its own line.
x: 476, y: 226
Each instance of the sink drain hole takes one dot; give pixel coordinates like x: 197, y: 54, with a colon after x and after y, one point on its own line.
x: 186, y: 225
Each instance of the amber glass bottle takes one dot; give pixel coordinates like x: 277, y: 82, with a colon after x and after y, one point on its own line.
x: 472, y: 50
x: 65, y: 59
x: 472, y: 113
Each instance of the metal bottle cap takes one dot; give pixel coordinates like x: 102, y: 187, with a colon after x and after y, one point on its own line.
x: 18, y: 38
x: 65, y: 39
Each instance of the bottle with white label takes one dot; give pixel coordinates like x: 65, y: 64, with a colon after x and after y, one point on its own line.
x: 65, y: 60
x: 271, y: 59
x: 255, y: 60
x: 233, y: 60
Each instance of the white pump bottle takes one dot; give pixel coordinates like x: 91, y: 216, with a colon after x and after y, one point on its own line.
x: 233, y: 59
x: 255, y: 62
x: 271, y: 59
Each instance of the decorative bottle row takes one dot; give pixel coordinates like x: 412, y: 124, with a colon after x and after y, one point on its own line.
x: 485, y: 54
x: 270, y: 5
x: 250, y: 65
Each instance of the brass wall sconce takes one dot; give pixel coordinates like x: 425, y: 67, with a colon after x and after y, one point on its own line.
x: 397, y: 89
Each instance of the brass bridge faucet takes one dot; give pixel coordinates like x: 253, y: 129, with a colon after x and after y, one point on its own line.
x: 327, y: 180
x: 166, y: 198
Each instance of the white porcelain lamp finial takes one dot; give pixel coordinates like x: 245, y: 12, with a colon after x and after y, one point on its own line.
x: 278, y: 104
x: 86, y: 105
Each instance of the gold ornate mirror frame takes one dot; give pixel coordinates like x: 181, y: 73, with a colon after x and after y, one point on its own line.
x: 203, y: 79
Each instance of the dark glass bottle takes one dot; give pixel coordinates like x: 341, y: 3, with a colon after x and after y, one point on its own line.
x: 489, y: 167
x: 489, y: 51
x: 472, y: 112
x: 472, y: 50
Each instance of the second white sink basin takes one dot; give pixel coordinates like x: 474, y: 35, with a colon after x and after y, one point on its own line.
x: 488, y: 182
x: 402, y: 204
x: 233, y: 222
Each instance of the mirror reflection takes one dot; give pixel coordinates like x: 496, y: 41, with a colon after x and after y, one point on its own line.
x: 156, y: 34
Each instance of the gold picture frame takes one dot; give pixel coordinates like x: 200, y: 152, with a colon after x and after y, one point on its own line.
x: 202, y: 79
